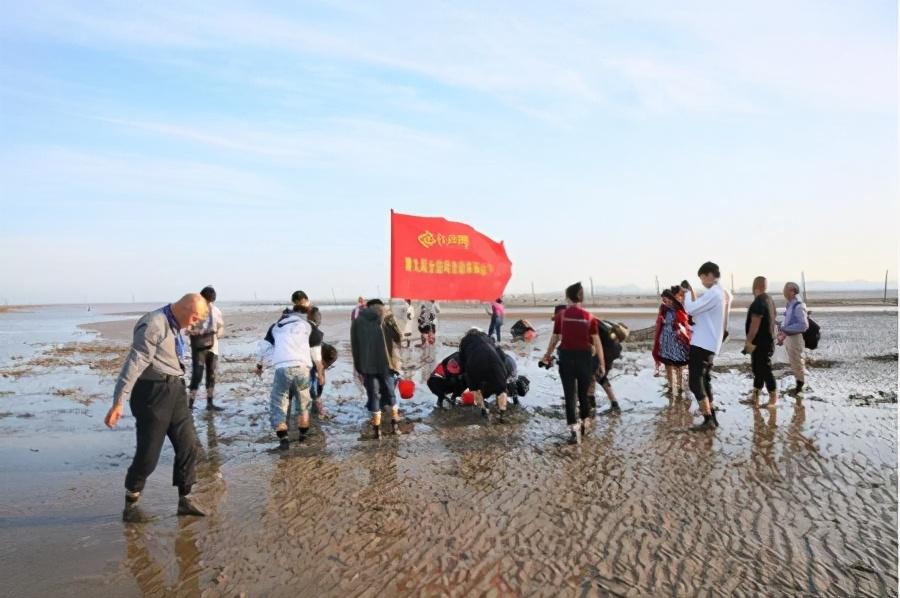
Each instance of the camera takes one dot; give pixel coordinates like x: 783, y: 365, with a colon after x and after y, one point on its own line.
x: 547, y: 364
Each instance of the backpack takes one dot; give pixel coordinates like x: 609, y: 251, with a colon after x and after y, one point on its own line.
x: 612, y: 348
x: 812, y: 335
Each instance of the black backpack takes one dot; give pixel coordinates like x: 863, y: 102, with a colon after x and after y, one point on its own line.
x: 612, y: 349
x: 812, y: 335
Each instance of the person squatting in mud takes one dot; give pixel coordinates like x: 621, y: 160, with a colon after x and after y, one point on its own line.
x: 153, y: 377
x: 486, y: 369
x: 447, y: 380
x: 522, y: 330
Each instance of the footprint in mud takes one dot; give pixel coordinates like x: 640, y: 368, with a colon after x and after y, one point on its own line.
x: 882, y: 397
x: 553, y: 411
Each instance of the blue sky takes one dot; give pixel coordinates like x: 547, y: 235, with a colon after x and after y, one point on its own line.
x: 153, y: 149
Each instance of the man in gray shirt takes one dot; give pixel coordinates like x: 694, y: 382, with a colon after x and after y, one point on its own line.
x: 152, y: 376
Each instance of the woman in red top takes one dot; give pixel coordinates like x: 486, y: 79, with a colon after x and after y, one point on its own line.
x: 577, y: 332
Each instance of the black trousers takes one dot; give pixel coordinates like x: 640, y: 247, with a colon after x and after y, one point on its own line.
x: 700, y: 365
x: 160, y: 409
x: 203, y: 360
x: 575, y: 373
x: 761, y: 360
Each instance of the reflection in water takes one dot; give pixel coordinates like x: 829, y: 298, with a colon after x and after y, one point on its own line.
x: 797, y: 442
x: 763, y: 442
x: 160, y: 571
x: 152, y: 565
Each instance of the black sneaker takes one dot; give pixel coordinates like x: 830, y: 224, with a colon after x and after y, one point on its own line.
x: 485, y: 413
x: 284, y: 444
x: 703, y: 427
x: 210, y: 406
x: 614, y: 409
x: 303, y: 437
x: 188, y: 506
x: 133, y: 512
x: 574, y: 437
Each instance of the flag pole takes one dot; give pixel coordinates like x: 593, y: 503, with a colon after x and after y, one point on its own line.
x: 391, y: 263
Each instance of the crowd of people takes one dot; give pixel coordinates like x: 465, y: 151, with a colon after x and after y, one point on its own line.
x: 690, y: 330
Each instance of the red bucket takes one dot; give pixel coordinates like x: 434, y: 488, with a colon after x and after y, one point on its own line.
x: 468, y: 398
x: 407, y: 388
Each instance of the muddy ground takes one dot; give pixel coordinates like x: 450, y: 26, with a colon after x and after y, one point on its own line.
x: 793, y: 502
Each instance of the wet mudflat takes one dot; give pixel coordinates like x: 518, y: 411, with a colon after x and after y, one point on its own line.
x: 797, y: 501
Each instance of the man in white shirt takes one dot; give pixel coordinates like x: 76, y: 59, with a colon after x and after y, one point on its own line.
x: 710, y: 314
x: 205, y: 350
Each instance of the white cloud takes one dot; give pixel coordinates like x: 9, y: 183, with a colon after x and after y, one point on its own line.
x: 708, y: 58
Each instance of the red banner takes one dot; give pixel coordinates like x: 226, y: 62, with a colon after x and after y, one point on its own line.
x: 434, y: 258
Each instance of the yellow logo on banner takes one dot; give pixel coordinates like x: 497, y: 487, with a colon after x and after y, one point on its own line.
x: 429, y: 240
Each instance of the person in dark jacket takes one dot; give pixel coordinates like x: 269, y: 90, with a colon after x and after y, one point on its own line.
x: 372, y: 361
x: 485, y: 368
x: 447, y: 380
